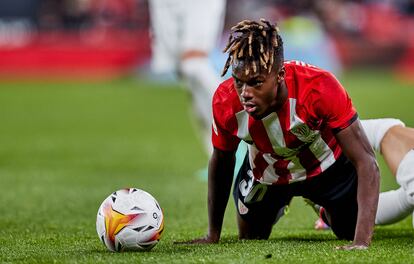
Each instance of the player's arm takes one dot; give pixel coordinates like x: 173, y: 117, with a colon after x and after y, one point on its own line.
x: 221, y: 168
x: 220, y: 177
x: 356, y: 147
x: 333, y: 104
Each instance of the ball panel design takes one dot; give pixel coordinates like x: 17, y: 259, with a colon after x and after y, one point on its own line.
x: 130, y: 219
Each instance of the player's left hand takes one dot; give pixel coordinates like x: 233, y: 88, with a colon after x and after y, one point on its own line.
x: 352, y: 247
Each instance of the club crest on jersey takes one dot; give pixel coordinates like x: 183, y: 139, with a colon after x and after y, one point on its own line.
x: 242, y: 208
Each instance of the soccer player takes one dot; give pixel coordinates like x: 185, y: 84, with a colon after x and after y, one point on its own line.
x: 304, y: 139
x: 395, y: 142
x: 184, y: 33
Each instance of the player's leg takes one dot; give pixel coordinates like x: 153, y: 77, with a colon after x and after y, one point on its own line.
x: 202, y: 80
x: 375, y: 129
x: 396, y: 148
x: 202, y: 26
x: 396, y: 143
x: 258, y: 206
x: 395, y: 205
x: 165, y: 26
x: 336, y: 191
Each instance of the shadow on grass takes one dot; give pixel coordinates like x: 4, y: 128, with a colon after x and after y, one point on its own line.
x: 301, y: 237
x: 166, y: 249
x: 312, y: 237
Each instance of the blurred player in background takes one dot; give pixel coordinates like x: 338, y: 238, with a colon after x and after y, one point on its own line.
x: 184, y: 33
x: 304, y: 139
x: 395, y: 142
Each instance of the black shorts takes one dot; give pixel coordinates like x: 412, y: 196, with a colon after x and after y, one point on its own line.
x: 335, y: 189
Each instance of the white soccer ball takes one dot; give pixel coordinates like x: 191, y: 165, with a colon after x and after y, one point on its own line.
x: 130, y: 219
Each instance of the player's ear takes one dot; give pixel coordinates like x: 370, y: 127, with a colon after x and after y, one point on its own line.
x: 281, y: 74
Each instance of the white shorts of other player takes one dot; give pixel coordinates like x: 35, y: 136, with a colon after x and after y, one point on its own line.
x: 375, y: 129
x: 397, y: 204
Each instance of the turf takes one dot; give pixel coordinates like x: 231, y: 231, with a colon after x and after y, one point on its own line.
x: 65, y: 146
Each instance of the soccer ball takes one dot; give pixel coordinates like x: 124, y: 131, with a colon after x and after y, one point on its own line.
x: 130, y: 220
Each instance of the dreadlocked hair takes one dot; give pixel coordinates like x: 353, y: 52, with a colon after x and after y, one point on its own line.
x: 255, y: 43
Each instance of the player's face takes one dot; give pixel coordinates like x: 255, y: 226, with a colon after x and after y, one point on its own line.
x: 257, y: 91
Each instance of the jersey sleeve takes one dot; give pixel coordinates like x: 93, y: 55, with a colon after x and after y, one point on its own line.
x: 222, y: 138
x: 333, y: 104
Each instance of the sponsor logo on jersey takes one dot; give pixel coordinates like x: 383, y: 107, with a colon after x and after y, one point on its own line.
x: 304, y: 133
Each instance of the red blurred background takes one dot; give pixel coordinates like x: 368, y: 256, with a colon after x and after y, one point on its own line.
x: 108, y: 38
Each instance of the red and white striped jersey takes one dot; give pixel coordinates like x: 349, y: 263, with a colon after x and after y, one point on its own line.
x: 296, y: 142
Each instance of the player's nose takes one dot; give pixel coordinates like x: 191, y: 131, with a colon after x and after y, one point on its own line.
x: 246, y: 92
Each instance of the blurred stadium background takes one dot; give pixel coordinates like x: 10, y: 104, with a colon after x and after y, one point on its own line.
x: 108, y: 38
x: 81, y: 117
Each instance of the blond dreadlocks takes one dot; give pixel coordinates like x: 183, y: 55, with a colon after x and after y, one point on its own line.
x: 257, y: 44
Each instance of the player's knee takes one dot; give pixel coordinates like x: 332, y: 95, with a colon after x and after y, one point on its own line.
x: 345, y: 236
x: 375, y: 129
x: 344, y: 232
x: 192, y: 67
x: 249, y: 230
x: 201, y: 75
x: 343, y: 220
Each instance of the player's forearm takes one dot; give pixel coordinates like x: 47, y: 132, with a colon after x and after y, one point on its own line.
x: 217, y: 202
x: 368, y: 192
x: 219, y: 185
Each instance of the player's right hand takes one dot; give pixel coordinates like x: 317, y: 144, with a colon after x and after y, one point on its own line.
x: 352, y: 247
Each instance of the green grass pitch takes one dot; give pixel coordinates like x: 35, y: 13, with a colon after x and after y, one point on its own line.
x: 65, y: 146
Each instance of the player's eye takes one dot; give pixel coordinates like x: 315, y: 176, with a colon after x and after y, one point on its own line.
x: 238, y: 83
x: 255, y: 84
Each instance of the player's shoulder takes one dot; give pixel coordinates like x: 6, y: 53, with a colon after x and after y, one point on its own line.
x: 225, y: 93
x: 305, y: 70
x: 226, y: 101
x: 226, y: 87
x: 306, y: 77
x: 308, y: 84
